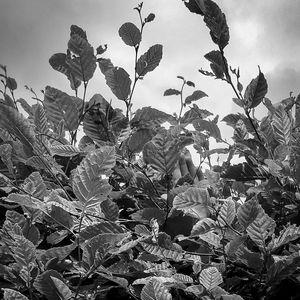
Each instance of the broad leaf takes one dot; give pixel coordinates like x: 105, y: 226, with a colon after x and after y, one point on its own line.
x: 130, y: 34
x: 64, y: 150
x: 256, y: 91
x: 62, y: 288
x: 170, y: 92
x: 57, y: 252
x: 203, y: 226
x: 227, y: 213
x: 88, y: 185
x: 248, y: 212
x: 10, y: 294
x: 6, y: 157
x: 60, y: 106
x: 218, y: 65
x: 197, y: 95
x: 119, y: 82
x: 210, y: 278
x: 155, y: 290
x: 149, y: 60
x: 195, y: 6
x: 110, y: 210
x: 209, y: 126
x: 261, y: 228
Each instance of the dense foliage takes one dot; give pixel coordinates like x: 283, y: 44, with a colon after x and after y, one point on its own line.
x: 122, y: 212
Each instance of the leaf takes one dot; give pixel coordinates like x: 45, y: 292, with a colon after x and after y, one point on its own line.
x: 197, y: 95
x: 170, y: 92
x: 88, y: 185
x: 44, y: 284
x: 62, y: 288
x: 203, y: 226
x: 40, y: 121
x: 155, y: 290
x: 138, y: 139
x: 55, y: 199
x: 74, y: 29
x: 130, y: 34
x: 192, y: 197
x: 218, y: 65
x: 261, y: 228
x: 149, y: 60
x: 25, y: 200
x: 104, y: 64
x: 286, y: 235
x: 10, y: 294
x: 64, y: 150
x: 35, y: 185
x: 195, y: 6
x: 215, y: 20
x: 150, y: 18
x: 211, y: 238
x: 119, y: 82
x: 99, y: 228
x: 162, y: 153
x: 60, y: 106
x: 190, y: 83
x: 209, y: 126
x: 248, y: 212
x: 84, y: 65
x: 110, y: 210
x: 210, y: 278
x: 149, y: 213
x: 25, y: 105
x: 227, y: 213
x: 57, y: 252
x: 256, y: 91
x: 12, y: 121
x: 234, y: 245
x: 6, y: 157
x: 282, y: 125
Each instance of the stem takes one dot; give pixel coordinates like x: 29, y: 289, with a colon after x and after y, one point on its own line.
x: 181, y: 101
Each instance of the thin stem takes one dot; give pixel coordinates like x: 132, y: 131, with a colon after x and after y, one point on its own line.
x: 181, y: 101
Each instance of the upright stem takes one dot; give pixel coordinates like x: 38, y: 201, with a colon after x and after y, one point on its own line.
x: 181, y: 101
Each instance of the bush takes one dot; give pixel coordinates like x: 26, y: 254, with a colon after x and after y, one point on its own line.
x: 122, y: 212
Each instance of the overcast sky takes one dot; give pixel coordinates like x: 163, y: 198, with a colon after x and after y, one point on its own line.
x: 265, y: 33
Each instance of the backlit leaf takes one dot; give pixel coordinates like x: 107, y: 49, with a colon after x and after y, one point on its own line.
x: 62, y: 288
x: 110, y: 210
x: 227, y: 213
x: 10, y: 294
x: 210, y: 278
x: 203, y: 226
x: 248, y: 212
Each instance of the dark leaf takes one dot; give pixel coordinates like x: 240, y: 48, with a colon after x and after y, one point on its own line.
x: 11, y: 83
x: 190, y: 83
x: 105, y: 64
x: 170, y: 92
x: 195, y: 6
x: 150, y: 18
x: 197, y: 95
x: 130, y: 34
x: 101, y: 49
x: 74, y: 29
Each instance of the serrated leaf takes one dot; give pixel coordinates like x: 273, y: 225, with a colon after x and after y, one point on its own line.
x: 203, y: 226
x: 233, y: 245
x: 88, y: 185
x: 215, y: 20
x: 261, y: 228
x: 130, y: 34
x: 192, y: 197
x: 211, y: 238
x: 256, y: 91
x: 210, y: 278
x: 149, y: 60
x: 155, y: 290
x: 60, y: 106
x: 25, y: 200
x: 110, y: 210
x: 64, y: 292
x: 99, y: 228
x: 196, y: 95
x: 46, y: 286
x: 55, y: 199
x: 59, y: 252
x: 119, y: 82
x: 170, y: 92
x: 10, y: 294
x: 282, y: 125
x: 35, y: 185
x: 14, y: 122
x: 248, y: 212
x: 64, y: 150
x: 227, y: 213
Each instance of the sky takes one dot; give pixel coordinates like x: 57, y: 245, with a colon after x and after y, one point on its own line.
x: 264, y: 33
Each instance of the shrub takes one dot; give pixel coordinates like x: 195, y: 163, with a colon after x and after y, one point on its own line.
x: 122, y: 212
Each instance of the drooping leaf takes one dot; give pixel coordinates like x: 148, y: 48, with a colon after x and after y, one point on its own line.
x: 88, y: 185
x: 261, y: 228
x: 282, y: 125
x: 149, y: 60
x: 196, y: 95
x: 195, y: 6
x: 155, y: 290
x: 215, y: 20
x: 203, y: 226
x: 192, y: 197
x: 60, y: 106
x: 119, y: 82
x: 44, y: 284
x: 170, y: 92
x: 218, y: 65
x: 14, y: 122
x: 210, y: 278
x: 130, y: 34
x: 227, y: 213
x: 248, y: 212
x: 256, y: 91
x: 10, y: 294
